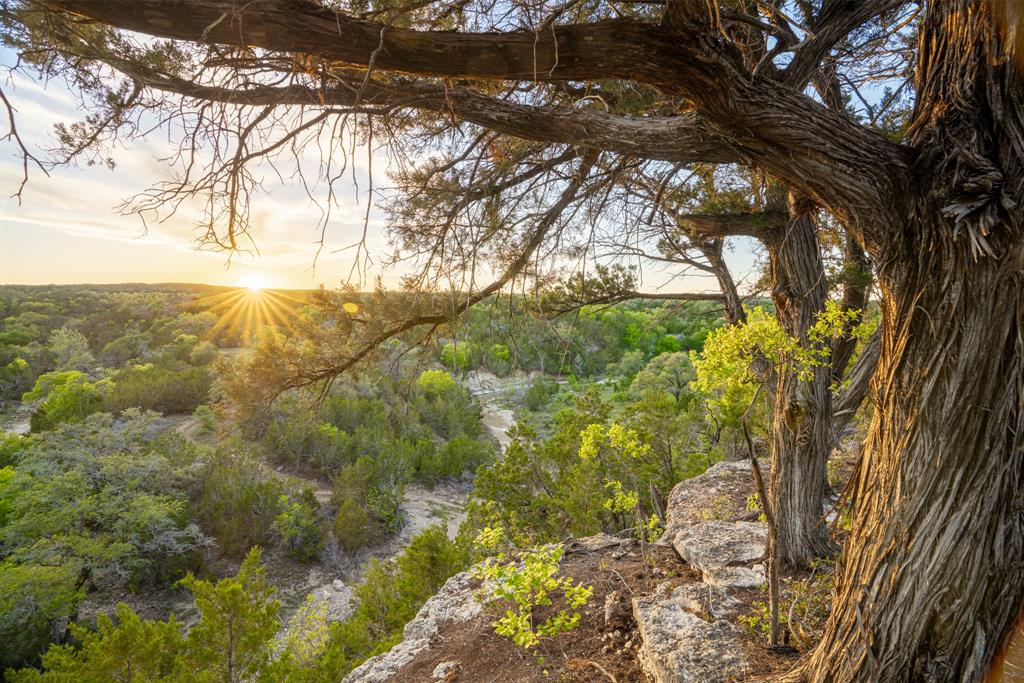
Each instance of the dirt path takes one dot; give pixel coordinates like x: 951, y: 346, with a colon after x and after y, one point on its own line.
x: 330, y: 578
x: 15, y: 418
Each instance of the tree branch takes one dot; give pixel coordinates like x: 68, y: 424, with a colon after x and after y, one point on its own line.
x: 681, y: 139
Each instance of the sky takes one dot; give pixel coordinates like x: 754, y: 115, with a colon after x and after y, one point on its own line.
x: 67, y: 228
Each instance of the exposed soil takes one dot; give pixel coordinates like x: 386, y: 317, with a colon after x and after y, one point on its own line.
x: 584, y: 654
x: 14, y: 417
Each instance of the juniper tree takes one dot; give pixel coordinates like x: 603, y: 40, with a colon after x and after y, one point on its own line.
x: 933, y: 572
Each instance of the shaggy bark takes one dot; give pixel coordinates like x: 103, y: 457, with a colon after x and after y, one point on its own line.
x: 801, y: 408
x: 933, y: 574
x: 934, y: 569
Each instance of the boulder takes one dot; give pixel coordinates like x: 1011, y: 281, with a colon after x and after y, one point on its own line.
x: 455, y: 602
x: 679, y: 647
x: 706, y: 601
x: 446, y: 672
x: 719, y: 493
x: 726, y: 553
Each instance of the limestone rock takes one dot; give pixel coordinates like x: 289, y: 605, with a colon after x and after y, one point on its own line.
x: 718, y: 493
x: 617, y: 610
x: 455, y: 602
x: 706, y: 601
x: 597, y: 543
x: 680, y: 647
x: 446, y: 671
x: 724, y: 551
x: 736, y: 577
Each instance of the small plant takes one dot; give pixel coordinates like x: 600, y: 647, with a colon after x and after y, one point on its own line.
x: 754, y: 505
x: 530, y: 582
x: 805, y: 605
x: 720, y: 508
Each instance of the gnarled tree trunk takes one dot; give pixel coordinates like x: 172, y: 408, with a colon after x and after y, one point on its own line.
x: 933, y: 574
x: 801, y: 407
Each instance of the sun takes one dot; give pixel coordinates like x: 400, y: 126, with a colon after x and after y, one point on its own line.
x: 254, y: 283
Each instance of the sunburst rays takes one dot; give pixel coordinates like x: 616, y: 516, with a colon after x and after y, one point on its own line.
x: 242, y: 312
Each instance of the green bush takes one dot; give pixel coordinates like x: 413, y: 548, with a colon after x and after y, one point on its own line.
x: 165, y: 390
x: 299, y: 526
x: 353, y: 527
x: 541, y: 391
x: 35, y: 600
x: 236, y: 501
x: 66, y: 397
x: 436, y: 382
x: 206, y: 420
x: 458, y: 456
x: 233, y: 640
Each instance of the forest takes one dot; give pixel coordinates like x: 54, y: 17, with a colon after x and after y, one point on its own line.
x: 138, y: 457
x: 665, y: 340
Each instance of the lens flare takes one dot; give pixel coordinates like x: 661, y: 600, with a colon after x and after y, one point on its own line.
x: 254, y: 283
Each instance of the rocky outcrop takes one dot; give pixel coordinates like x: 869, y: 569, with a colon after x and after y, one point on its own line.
x: 680, y: 647
x: 455, y: 602
x: 683, y: 631
x: 688, y: 634
x: 719, y: 493
x: 728, y: 554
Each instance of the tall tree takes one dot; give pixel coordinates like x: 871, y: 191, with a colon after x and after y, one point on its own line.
x: 933, y: 572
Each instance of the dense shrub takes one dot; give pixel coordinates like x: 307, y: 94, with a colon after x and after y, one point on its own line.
x: 541, y: 390
x: 65, y: 397
x: 236, y: 501
x: 165, y: 390
x: 93, y: 504
x: 299, y: 526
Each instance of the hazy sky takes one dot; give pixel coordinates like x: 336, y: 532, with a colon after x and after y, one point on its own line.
x: 67, y: 228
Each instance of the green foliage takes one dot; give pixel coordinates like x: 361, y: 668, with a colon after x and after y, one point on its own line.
x: 353, y: 526
x: 308, y: 634
x: 236, y: 501
x: 426, y: 426
x: 436, y: 382
x: 90, y: 504
x: 368, y: 494
x: 671, y: 373
x: 299, y: 526
x: 16, y: 377
x: 389, y: 596
x: 130, y: 346
x: 178, y: 390
x: 10, y: 447
x: 667, y: 344
x: 65, y: 397
x: 456, y: 355
x: 232, y: 642
x: 540, y: 392
x: 34, y: 600
x: 129, y: 649
x: 69, y: 350
x: 109, y: 500
x: 498, y: 359
x: 238, y: 621
x: 804, y: 607
x: 525, y: 583
x: 206, y: 420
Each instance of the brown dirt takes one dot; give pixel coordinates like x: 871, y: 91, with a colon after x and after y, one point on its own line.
x: 592, y: 653
x: 577, y: 656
